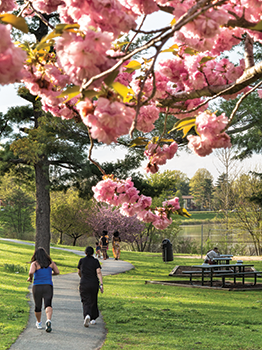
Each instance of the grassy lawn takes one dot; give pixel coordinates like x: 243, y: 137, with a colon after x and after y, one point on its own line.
x: 14, y: 308
x: 144, y: 316
x: 197, y: 217
x: 147, y: 316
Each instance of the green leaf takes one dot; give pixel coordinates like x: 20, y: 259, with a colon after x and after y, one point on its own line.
x: 49, y: 36
x: 43, y: 46
x: 183, y: 212
x: 155, y: 139
x: 257, y: 27
x: 61, y: 27
x: 125, y: 92
x: 111, y: 77
x: 190, y: 51
x: 173, y: 48
x: 17, y: 22
x: 167, y: 140
x: 139, y: 141
x: 71, y: 92
x: 173, y: 22
x: 185, y: 124
x: 134, y: 65
x: 206, y: 59
x: 90, y: 93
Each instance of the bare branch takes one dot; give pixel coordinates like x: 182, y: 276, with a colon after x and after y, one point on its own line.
x: 238, y: 104
x: 90, y: 153
x: 249, y: 55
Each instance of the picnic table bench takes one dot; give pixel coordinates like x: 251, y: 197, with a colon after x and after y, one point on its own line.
x: 238, y: 274
x: 195, y: 272
x: 223, y: 271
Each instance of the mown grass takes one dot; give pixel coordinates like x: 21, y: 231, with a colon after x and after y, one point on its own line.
x: 145, y: 316
x: 148, y: 316
x: 197, y: 217
x: 14, y: 307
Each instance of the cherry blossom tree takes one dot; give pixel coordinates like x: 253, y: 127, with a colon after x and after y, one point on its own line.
x: 102, y: 217
x: 81, y: 69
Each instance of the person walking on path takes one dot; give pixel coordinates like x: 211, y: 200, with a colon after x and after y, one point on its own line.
x: 98, y: 250
x: 104, y: 244
x: 116, y: 245
x: 89, y: 270
x: 41, y: 270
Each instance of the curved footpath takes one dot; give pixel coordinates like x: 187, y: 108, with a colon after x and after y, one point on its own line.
x: 68, y: 332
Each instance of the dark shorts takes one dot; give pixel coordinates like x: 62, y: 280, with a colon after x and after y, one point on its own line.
x: 40, y: 292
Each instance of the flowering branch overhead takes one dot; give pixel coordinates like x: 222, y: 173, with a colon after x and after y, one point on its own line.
x: 81, y: 70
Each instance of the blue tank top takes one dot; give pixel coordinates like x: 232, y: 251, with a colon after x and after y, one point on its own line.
x: 43, y: 276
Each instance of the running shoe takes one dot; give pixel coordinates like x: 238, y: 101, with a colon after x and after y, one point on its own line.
x: 48, y: 327
x: 39, y: 325
x: 93, y: 322
x: 87, y: 321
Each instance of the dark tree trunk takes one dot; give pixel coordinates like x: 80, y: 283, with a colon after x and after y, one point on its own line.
x: 61, y: 238
x: 42, y: 238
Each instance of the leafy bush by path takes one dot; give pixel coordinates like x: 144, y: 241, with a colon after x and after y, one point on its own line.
x: 14, y: 307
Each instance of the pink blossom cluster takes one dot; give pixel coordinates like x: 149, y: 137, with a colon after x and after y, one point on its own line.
x: 11, y: 58
x: 185, y: 106
x: 158, y: 155
x: 140, y: 7
x: 123, y: 194
x: 190, y: 73
x: 104, y: 15
x: 250, y: 8
x: 210, y: 128
x: 7, y: 5
x: 146, y: 118
x: 83, y: 57
x: 124, y: 77
x: 47, y: 6
x: 47, y: 84
x: 108, y: 121
x: 161, y: 83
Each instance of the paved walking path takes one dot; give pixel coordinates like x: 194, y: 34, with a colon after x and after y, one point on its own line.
x: 67, y: 322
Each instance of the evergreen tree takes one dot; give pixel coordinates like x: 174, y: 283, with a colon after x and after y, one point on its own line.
x: 52, y: 153
x: 201, y: 187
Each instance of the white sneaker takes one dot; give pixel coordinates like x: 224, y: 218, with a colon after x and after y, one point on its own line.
x: 48, y: 327
x: 38, y: 325
x: 93, y: 322
x: 87, y: 321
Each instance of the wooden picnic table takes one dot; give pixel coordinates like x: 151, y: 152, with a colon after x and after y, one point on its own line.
x: 221, y: 259
x: 234, y: 270
x: 226, y: 255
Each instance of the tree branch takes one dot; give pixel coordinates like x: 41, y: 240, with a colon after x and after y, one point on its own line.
x: 249, y: 76
x: 189, y: 16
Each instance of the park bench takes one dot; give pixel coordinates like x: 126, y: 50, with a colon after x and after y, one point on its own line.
x: 195, y: 272
x: 191, y: 273
x: 236, y: 275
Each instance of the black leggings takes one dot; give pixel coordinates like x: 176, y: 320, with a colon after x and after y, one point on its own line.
x: 40, y: 292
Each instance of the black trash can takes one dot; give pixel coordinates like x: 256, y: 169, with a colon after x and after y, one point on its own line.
x: 167, y: 251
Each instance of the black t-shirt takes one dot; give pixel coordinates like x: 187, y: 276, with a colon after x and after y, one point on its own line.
x: 88, y: 267
x: 104, y: 241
